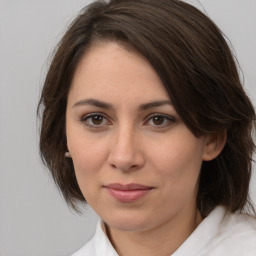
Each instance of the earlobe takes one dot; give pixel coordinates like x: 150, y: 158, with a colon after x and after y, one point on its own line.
x: 214, y: 146
x: 67, y: 154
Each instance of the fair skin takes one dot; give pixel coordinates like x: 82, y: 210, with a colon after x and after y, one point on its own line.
x: 122, y: 129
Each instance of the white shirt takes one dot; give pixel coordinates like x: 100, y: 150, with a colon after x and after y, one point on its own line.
x: 221, y: 233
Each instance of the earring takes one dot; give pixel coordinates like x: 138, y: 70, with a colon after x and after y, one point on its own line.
x: 67, y: 154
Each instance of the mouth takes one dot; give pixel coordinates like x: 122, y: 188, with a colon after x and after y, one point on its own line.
x: 127, y: 193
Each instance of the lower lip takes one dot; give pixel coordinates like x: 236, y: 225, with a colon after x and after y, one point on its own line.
x: 128, y: 196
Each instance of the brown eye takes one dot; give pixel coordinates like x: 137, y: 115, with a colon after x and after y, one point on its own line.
x: 158, y: 120
x: 97, y: 119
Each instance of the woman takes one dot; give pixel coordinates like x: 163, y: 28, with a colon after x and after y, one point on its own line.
x: 145, y: 119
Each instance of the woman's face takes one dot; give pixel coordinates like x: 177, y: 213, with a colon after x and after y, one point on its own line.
x: 136, y: 162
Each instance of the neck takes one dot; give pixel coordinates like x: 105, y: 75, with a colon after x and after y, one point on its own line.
x: 163, y: 240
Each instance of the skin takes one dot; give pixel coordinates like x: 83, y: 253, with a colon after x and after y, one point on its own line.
x: 123, y: 139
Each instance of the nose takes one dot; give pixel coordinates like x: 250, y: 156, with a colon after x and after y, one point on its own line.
x: 126, y: 152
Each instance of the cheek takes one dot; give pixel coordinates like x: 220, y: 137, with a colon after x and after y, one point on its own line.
x: 88, y: 159
x: 179, y: 159
x: 179, y: 167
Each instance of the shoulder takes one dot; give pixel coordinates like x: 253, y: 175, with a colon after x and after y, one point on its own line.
x: 222, y: 233
x: 238, y: 225
x: 236, y: 236
x: 240, y: 233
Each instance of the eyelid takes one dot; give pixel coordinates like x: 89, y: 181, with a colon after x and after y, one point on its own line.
x: 162, y: 115
x: 85, y: 117
x: 170, y: 119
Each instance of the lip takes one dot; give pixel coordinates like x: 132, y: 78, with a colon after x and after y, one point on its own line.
x: 129, y: 192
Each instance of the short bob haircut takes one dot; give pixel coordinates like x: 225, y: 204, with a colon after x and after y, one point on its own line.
x: 198, y: 70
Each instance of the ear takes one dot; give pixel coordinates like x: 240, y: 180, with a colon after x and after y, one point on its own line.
x: 214, y: 145
x: 67, y: 153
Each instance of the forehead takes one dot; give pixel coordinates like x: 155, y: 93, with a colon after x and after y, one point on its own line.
x: 109, y: 69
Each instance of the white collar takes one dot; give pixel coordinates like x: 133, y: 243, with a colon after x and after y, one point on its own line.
x: 215, y: 228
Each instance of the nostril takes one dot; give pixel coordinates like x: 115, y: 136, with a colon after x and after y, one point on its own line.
x: 124, y: 156
x: 125, y: 167
x: 113, y: 166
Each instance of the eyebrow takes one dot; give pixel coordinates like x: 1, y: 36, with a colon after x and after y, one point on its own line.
x: 154, y: 104
x: 105, y: 105
x: 93, y: 102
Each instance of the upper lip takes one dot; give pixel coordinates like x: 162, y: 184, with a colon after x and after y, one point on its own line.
x: 131, y: 186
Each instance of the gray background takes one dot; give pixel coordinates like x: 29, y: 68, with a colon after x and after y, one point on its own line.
x: 34, y: 219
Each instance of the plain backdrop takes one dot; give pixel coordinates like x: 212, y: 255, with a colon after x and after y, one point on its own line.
x: 34, y: 219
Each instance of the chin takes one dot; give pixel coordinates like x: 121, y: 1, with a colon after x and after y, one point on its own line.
x: 127, y: 222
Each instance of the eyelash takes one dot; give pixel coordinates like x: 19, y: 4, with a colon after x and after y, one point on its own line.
x: 167, y: 119
x: 88, y: 121
x: 85, y: 119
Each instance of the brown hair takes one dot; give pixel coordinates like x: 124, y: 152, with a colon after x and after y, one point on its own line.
x: 197, y: 68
